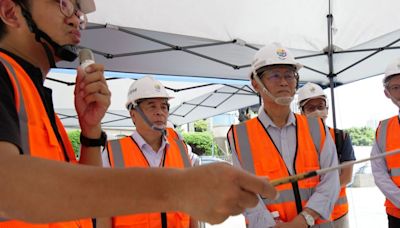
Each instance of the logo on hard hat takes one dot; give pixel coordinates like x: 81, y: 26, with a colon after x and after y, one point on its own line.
x: 134, y: 90
x: 157, y: 87
x: 312, y: 89
x: 281, y: 53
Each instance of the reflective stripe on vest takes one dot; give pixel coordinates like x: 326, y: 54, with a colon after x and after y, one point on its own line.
x: 388, y: 139
x: 183, y: 153
x: 22, y: 116
x: 313, y: 124
x: 244, y: 144
x: 341, y: 201
x: 395, y: 172
x: 381, y: 140
x: 117, y: 153
x: 286, y: 196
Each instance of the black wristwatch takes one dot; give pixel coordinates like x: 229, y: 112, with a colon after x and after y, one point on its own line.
x: 88, y: 142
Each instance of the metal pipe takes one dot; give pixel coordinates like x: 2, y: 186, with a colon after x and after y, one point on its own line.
x: 314, y: 173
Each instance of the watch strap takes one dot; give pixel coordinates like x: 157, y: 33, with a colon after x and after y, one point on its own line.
x: 88, y: 142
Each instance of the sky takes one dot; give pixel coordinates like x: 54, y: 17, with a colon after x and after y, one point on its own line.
x: 361, y: 103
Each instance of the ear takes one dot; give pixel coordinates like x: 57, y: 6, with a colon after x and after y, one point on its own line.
x: 255, y: 85
x: 387, y: 94
x: 9, y: 12
x: 132, y: 114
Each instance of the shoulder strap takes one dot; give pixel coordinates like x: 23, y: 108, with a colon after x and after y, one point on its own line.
x: 340, y: 137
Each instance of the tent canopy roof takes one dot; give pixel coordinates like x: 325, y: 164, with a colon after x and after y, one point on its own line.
x: 217, y: 39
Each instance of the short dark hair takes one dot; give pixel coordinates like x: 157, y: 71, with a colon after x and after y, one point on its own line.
x: 3, y: 28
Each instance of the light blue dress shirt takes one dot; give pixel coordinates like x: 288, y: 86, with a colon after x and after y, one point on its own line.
x: 327, y: 191
x: 382, y: 177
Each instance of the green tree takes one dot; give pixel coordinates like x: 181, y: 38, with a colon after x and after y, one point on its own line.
x: 200, y: 126
x: 201, y: 143
x: 362, y: 136
x: 76, y: 143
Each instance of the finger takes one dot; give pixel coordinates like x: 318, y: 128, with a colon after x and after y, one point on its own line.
x: 78, y: 80
x: 257, y: 185
x: 247, y: 199
x: 217, y: 219
x: 102, y: 100
x: 94, y: 72
x: 96, y: 87
x: 94, y: 68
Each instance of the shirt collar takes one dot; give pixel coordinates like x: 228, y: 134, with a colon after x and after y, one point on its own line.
x: 142, y: 143
x: 267, y: 122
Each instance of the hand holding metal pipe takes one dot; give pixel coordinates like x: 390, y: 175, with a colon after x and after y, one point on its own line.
x: 302, y: 176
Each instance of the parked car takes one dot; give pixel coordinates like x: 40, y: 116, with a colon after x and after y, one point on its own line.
x: 204, y: 160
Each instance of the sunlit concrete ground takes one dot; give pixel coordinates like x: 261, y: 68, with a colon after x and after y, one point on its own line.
x: 366, y: 210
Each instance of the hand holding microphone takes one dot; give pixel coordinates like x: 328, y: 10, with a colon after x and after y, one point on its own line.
x: 92, y: 96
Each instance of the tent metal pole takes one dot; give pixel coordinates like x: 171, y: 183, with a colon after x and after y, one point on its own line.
x: 331, y: 75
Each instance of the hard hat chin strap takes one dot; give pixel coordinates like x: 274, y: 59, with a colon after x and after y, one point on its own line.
x: 65, y: 52
x: 148, y: 122
x: 279, y: 100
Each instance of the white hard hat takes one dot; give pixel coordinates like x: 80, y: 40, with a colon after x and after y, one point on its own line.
x: 392, y: 69
x: 87, y: 6
x: 146, y: 87
x: 309, y: 91
x: 273, y: 54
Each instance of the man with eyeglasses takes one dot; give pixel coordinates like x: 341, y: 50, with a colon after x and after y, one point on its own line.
x: 40, y: 182
x: 279, y: 143
x: 312, y: 102
x: 387, y: 171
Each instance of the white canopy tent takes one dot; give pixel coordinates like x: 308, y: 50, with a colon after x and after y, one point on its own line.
x: 338, y: 41
x: 192, y: 100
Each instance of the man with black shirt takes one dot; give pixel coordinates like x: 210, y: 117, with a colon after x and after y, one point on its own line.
x: 42, y: 186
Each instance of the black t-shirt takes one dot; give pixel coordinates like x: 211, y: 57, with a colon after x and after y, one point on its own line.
x: 344, y: 146
x: 9, y: 123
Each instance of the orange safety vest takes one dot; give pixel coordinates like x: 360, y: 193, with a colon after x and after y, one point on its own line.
x: 388, y: 138
x: 125, y: 152
x: 37, y: 135
x: 258, y: 154
x: 341, y: 206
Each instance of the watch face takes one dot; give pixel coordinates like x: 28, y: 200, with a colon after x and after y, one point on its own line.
x: 309, y: 219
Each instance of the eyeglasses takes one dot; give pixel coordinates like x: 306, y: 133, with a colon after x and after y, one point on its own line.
x: 68, y: 9
x: 313, y: 108
x: 276, y: 77
x: 394, y: 88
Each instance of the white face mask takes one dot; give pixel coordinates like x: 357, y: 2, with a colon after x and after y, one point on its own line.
x: 319, y: 114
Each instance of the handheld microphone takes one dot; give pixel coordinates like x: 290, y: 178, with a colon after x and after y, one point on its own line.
x: 86, y: 58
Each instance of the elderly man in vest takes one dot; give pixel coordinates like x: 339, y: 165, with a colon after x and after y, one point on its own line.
x: 387, y: 171
x: 279, y: 143
x: 313, y: 102
x: 40, y: 181
x: 151, y: 144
